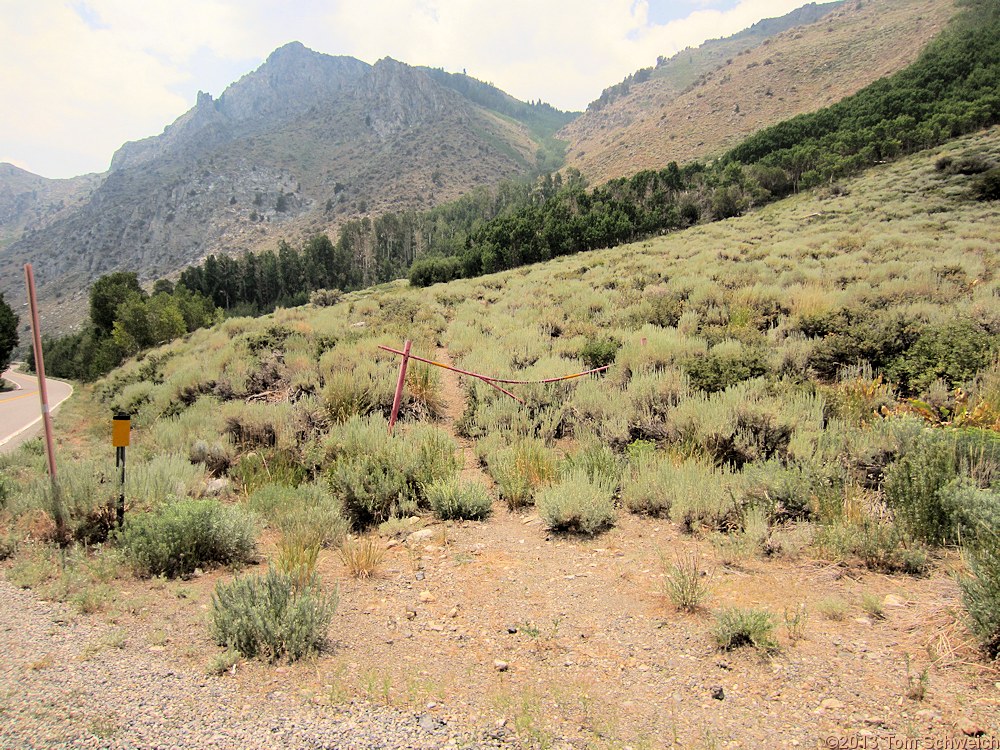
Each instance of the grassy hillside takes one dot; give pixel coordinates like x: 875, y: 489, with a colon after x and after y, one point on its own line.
x: 753, y: 415
x: 799, y: 70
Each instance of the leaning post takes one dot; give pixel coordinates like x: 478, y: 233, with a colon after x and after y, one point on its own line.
x: 399, y: 385
x: 43, y: 395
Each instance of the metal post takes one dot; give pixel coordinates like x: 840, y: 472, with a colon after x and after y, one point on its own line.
x: 120, y: 464
x: 43, y: 393
x: 399, y: 385
x: 121, y: 425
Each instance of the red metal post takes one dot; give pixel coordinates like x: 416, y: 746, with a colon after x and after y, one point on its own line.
x: 43, y: 393
x: 399, y: 385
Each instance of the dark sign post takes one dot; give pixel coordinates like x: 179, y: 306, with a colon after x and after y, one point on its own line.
x: 120, y: 433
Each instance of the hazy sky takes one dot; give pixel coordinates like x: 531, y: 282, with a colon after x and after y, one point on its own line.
x: 80, y: 77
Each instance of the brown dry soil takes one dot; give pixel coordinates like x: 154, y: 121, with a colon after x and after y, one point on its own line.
x: 502, y: 629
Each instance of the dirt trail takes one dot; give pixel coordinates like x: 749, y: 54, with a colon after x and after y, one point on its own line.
x: 453, y: 396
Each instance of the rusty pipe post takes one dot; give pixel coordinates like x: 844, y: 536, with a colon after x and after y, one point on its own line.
x: 399, y: 385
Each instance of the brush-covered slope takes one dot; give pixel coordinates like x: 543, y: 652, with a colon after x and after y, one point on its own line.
x: 795, y: 291
x: 294, y: 148
x: 667, y: 118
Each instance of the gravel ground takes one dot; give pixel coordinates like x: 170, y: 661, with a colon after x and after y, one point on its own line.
x: 66, y: 681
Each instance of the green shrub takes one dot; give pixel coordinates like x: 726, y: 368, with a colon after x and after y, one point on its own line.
x: 436, y: 453
x: 745, y: 422
x: 953, y: 351
x: 268, y: 616
x: 182, y: 536
x: 786, y: 491
x: 325, y: 297
x: 913, y: 484
x: 307, y: 510
x: 648, y: 487
x: 151, y: 483
x: 598, y: 352
x: 216, y: 457
x: 970, y: 163
x: 701, y: 495
x: 981, y: 593
x: 597, y: 461
x: 361, y: 389
x: 83, y: 503
x: 256, y: 469
x: 577, y: 503
x: 346, y: 395
x: 372, y: 488
x: 860, y: 396
x: 427, y: 271
x: 6, y: 489
x: 987, y: 187
x: 879, y: 545
x: 736, y: 627
x: 973, y: 513
x: 858, y: 334
x: 453, y: 498
x: 377, y: 476
x: 726, y: 364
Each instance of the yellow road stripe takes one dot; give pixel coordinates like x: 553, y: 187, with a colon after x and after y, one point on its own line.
x: 15, y: 398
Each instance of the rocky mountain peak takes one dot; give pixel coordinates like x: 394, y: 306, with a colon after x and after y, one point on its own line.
x: 400, y: 96
x: 291, y: 80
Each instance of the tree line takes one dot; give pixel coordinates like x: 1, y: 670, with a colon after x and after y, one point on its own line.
x: 124, y: 320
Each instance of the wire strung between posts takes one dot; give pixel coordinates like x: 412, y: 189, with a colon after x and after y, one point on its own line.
x: 491, y: 381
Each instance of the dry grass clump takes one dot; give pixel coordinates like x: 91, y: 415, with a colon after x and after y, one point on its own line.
x: 362, y: 556
x: 832, y: 608
x: 522, y: 469
x: 685, y: 582
x: 737, y: 627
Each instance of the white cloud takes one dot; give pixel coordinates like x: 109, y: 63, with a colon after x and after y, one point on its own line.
x: 75, y: 91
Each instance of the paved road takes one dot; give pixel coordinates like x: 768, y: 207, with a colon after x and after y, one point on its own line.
x: 20, y: 411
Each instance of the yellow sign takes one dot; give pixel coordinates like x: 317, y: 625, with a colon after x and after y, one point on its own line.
x: 120, y: 430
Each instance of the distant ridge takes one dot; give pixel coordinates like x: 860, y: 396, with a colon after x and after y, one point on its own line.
x: 700, y: 102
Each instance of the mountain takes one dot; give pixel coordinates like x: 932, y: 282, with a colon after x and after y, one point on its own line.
x: 700, y: 102
x: 29, y: 203
x: 294, y: 148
